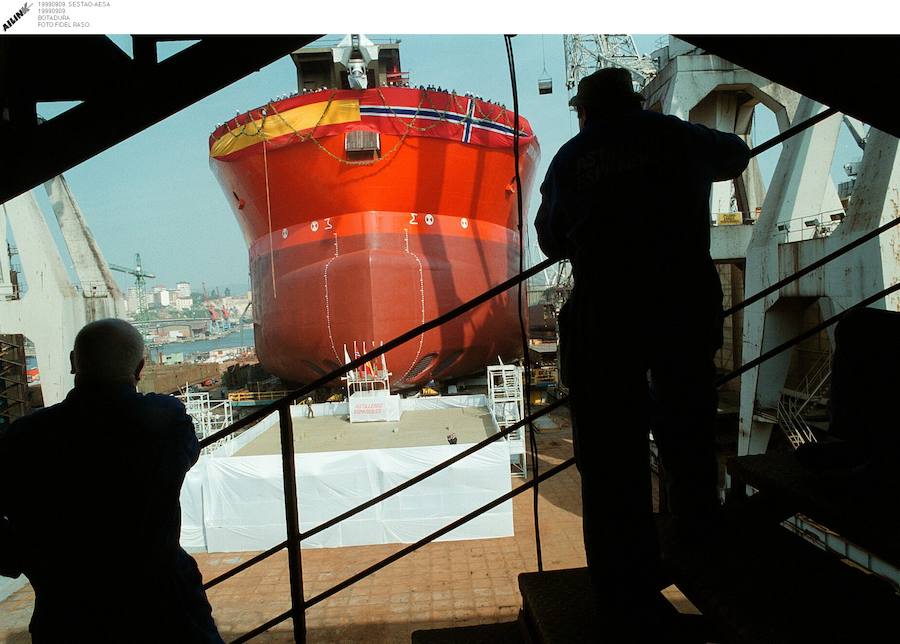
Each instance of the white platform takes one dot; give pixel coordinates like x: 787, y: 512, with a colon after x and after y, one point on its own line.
x: 235, y: 503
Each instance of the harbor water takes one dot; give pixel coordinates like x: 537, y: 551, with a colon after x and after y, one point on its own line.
x: 230, y: 341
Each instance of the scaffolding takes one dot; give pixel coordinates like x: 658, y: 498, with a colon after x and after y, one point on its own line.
x: 209, y: 416
x: 506, y: 402
x: 13, y: 383
x: 369, y: 390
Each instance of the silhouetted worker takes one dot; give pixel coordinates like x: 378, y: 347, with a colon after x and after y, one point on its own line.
x: 309, y: 409
x: 627, y: 201
x: 89, y: 490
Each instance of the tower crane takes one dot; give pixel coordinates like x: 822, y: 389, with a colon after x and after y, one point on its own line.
x: 586, y: 53
x: 140, y: 280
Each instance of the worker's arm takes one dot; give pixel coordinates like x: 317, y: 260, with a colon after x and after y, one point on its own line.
x: 550, y: 221
x: 176, y: 431
x: 725, y: 155
x: 187, y: 438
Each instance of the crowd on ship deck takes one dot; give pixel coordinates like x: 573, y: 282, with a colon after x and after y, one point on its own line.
x: 438, y: 88
x: 424, y: 88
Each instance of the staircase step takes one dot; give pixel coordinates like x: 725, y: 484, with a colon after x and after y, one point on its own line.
x: 502, y: 633
x: 763, y: 584
x: 560, y: 607
x: 857, y: 505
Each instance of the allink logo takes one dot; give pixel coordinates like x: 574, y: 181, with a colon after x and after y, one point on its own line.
x: 18, y: 14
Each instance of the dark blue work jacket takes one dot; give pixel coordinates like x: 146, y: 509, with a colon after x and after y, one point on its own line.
x: 89, y: 489
x: 627, y: 201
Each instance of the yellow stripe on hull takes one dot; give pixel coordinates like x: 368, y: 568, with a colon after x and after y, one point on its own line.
x: 297, y: 119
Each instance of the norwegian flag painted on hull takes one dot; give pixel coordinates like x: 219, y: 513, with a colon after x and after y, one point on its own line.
x: 397, y: 111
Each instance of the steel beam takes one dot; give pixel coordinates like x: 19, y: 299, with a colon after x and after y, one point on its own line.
x: 120, y: 96
x: 846, y: 72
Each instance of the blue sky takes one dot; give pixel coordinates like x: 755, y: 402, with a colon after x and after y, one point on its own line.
x: 155, y: 194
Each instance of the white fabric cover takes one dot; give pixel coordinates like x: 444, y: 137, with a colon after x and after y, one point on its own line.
x: 233, y: 503
x: 233, y: 446
x: 192, y: 532
x: 443, y: 402
x: 243, y: 501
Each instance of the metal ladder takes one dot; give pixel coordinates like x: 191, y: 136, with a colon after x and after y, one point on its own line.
x: 507, y: 405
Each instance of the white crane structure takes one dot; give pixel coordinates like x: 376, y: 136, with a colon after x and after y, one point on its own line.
x: 586, y: 53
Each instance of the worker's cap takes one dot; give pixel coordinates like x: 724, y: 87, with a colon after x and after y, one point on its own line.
x: 608, y: 85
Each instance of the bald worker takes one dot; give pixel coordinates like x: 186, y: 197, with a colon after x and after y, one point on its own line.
x: 89, y: 504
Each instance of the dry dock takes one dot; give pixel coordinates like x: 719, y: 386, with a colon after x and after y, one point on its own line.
x: 414, y: 429
x: 449, y: 583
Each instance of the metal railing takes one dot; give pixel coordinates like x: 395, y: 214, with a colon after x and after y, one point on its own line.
x: 816, y: 377
x: 792, y: 403
x: 208, y: 415
x: 792, y: 423
x: 294, y: 536
x: 249, y: 396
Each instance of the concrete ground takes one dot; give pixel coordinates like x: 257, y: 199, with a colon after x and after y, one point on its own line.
x: 451, y: 583
x: 414, y: 429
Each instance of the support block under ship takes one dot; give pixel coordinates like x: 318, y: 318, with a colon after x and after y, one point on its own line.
x: 370, y: 207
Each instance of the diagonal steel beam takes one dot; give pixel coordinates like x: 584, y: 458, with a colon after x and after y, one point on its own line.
x: 137, y: 96
x: 846, y: 72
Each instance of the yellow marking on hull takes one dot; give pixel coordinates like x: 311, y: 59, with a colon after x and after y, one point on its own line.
x: 297, y: 119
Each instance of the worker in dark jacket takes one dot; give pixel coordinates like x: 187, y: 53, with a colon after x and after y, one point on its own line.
x: 627, y: 202
x: 89, y: 504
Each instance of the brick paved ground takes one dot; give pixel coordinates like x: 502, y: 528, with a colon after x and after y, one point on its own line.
x: 450, y: 583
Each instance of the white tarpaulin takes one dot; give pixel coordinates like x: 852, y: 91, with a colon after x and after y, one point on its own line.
x: 443, y: 402
x: 192, y: 532
x: 369, y: 406
x: 243, y: 502
x: 236, y: 503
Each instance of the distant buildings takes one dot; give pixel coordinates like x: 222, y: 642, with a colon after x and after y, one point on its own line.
x: 182, y: 303
x: 237, y: 306
x: 131, y: 300
x: 165, y: 303
x: 161, y: 296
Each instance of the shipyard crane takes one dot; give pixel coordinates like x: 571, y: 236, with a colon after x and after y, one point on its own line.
x: 241, y: 320
x: 586, y: 53
x: 140, y: 280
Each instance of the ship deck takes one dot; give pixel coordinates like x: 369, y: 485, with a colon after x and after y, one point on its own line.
x: 419, y: 428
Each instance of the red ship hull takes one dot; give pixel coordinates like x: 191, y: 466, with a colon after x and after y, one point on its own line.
x: 348, y: 250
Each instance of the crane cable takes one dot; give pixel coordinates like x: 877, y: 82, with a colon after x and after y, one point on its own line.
x: 544, y: 72
x: 532, y: 440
